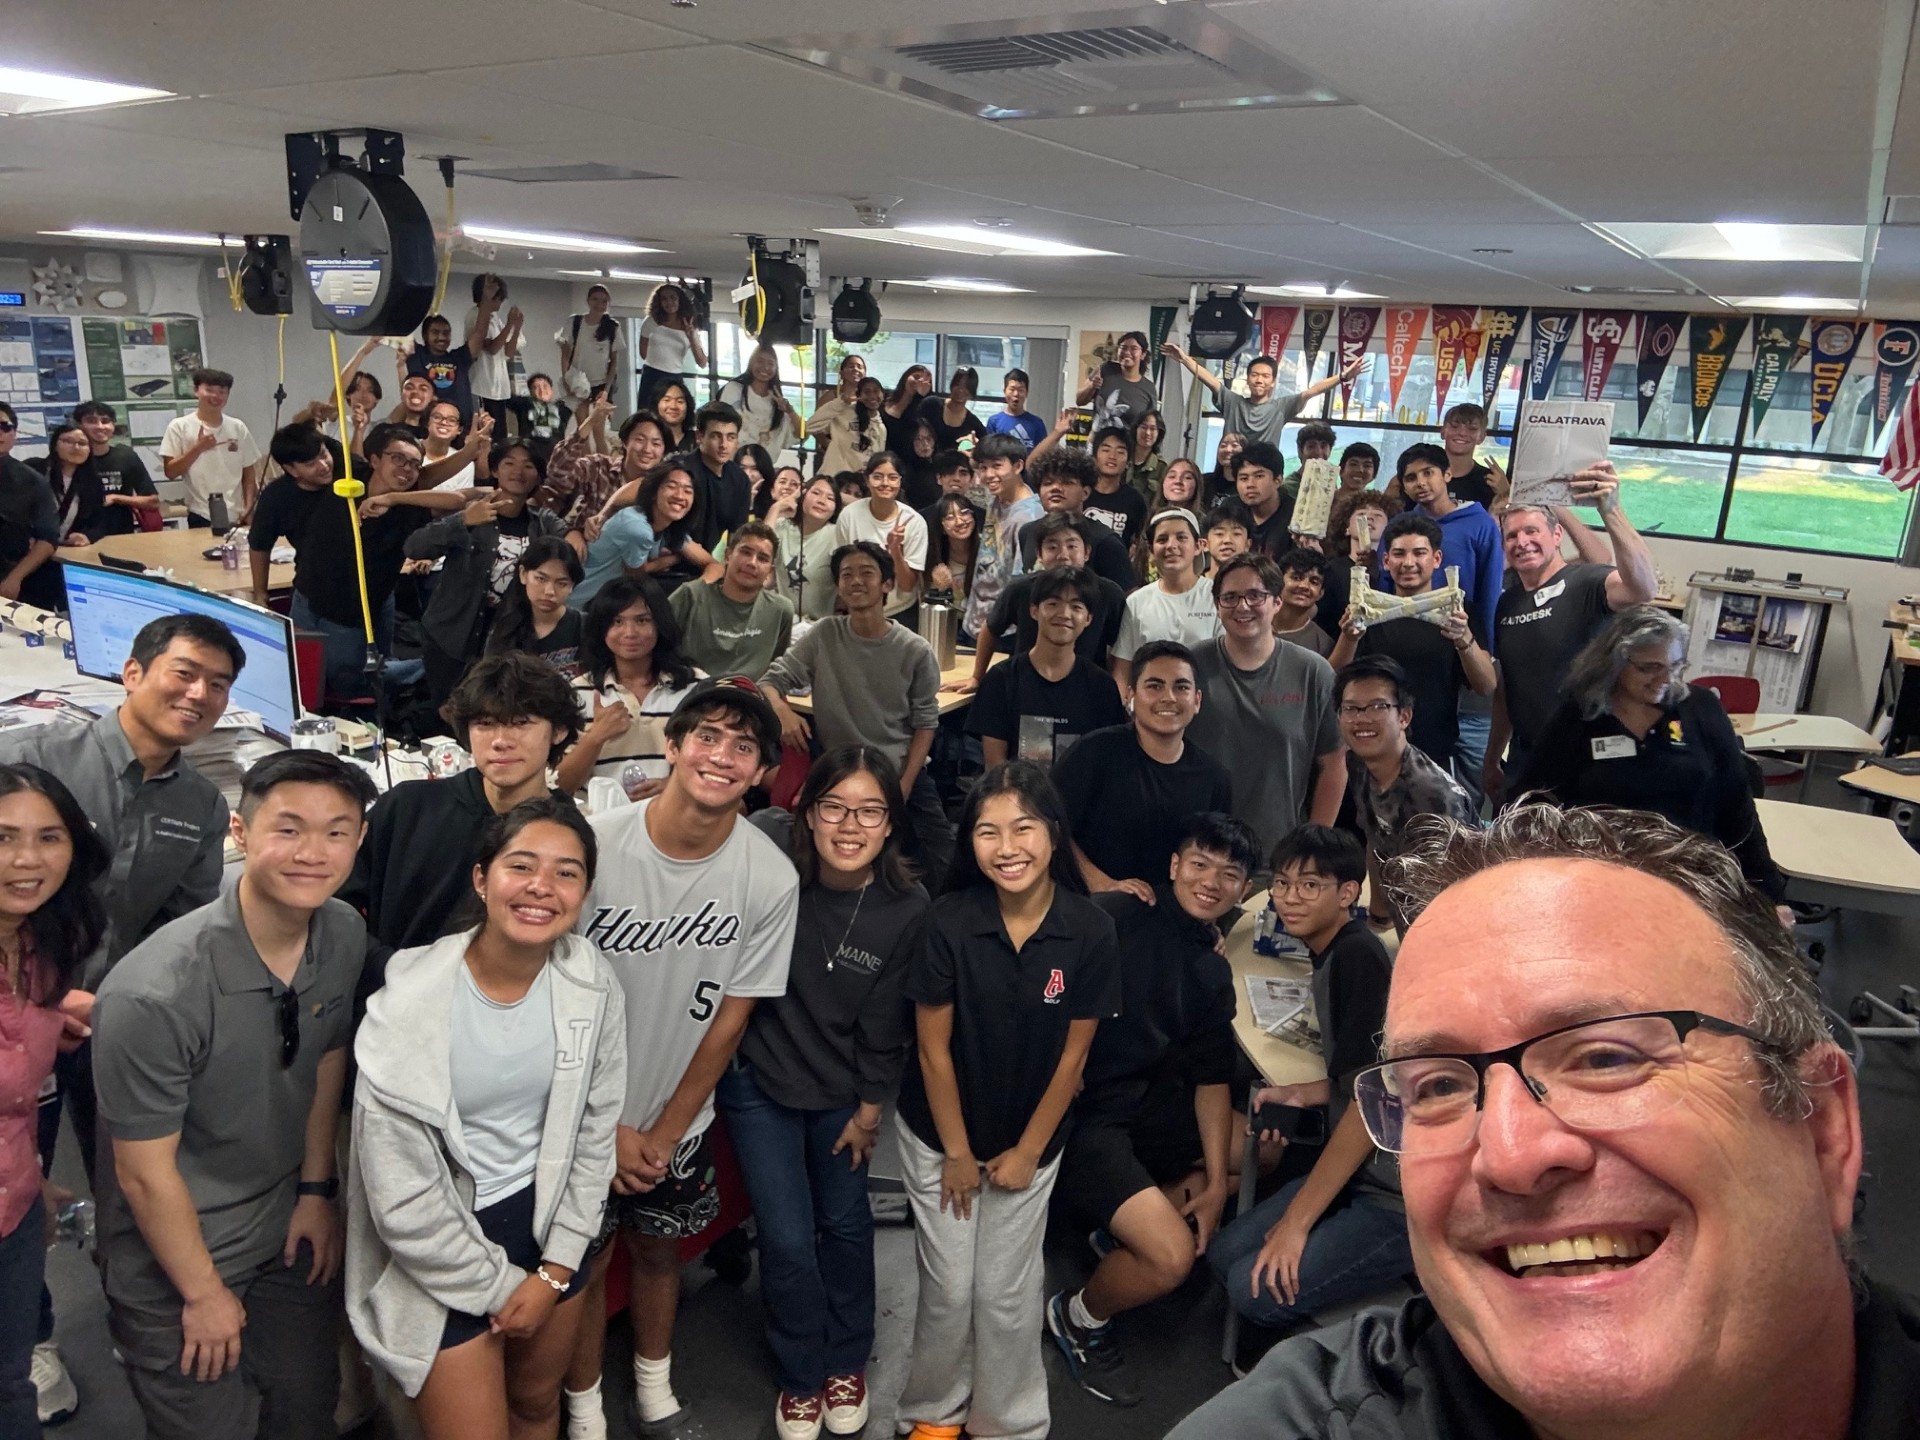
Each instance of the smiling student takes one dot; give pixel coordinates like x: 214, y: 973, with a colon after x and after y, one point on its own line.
x: 1176, y: 606
x: 1018, y: 971
x: 1038, y: 705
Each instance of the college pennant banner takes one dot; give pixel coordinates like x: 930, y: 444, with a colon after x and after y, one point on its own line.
x: 1450, y: 326
x: 1659, y: 333
x: 1603, y: 332
x: 1551, y: 331
x: 1276, y: 324
x: 1406, y: 327
x: 1502, y: 333
x: 1896, y: 345
x: 1357, y: 324
x: 1834, y: 344
x: 1776, y: 349
x: 1313, y: 334
x: 1711, y: 341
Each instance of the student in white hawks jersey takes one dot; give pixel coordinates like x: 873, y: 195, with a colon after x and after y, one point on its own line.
x: 695, y: 912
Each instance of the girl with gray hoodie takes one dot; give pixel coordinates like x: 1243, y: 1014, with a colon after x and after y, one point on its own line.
x: 492, y: 1072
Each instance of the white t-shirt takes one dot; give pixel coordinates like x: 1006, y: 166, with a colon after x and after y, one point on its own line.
x: 666, y: 348
x: 502, y: 1075
x: 681, y: 935
x: 488, y: 376
x: 591, y: 354
x: 857, y: 523
x: 461, y: 479
x: 761, y: 423
x: 218, y: 471
x: 1153, y: 614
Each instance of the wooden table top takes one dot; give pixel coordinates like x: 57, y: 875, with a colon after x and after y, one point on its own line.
x: 1804, y: 732
x: 1278, y: 1062
x: 1839, y: 847
x: 179, y: 551
x: 1873, y: 780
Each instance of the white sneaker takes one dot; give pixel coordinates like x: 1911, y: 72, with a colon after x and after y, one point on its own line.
x: 53, y: 1388
x: 846, y: 1404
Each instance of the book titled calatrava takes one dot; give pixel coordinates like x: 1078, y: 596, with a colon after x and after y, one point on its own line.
x: 1553, y: 441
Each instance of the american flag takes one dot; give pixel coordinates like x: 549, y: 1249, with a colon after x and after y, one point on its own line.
x: 1901, y: 464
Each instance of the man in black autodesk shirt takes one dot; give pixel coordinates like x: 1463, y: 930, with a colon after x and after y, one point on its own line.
x: 1146, y: 1165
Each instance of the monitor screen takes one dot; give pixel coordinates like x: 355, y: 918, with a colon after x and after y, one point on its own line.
x: 108, y: 608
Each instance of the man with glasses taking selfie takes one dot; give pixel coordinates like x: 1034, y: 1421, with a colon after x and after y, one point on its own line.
x: 1268, y: 715
x: 219, y: 1053
x: 1628, y: 1149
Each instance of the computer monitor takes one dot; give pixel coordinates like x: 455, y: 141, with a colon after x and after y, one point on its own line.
x: 109, y: 607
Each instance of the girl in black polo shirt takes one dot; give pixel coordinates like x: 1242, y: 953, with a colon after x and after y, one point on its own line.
x: 1018, y: 970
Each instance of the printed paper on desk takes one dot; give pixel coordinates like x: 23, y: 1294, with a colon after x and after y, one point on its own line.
x: 1553, y: 441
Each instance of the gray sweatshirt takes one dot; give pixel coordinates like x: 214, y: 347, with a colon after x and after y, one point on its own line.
x: 865, y: 692
x: 414, y: 1248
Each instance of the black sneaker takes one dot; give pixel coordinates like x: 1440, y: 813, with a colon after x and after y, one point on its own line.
x: 1093, y: 1356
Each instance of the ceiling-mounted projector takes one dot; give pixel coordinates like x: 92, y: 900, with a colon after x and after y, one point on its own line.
x: 856, y: 314
x: 366, y: 245
x: 1221, y: 326
x: 265, y: 270
x: 776, y: 296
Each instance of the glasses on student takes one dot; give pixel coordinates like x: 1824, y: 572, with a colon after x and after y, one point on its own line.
x: 1307, y: 887
x: 289, y: 1027
x: 7, y: 427
x: 1245, y: 600
x: 1372, y: 707
x: 401, y: 461
x: 1654, y: 669
x: 867, y: 817
x: 1598, y: 1075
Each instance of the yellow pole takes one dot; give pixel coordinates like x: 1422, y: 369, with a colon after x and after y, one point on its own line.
x: 348, y: 488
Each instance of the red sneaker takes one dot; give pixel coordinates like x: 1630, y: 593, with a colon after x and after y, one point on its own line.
x: 797, y: 1417
x: 846, y: 1404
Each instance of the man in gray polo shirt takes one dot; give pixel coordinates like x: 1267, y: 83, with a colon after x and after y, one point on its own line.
x: 220, y: 1055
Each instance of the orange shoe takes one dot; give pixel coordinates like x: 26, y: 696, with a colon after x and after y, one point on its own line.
x: 924, y: 1431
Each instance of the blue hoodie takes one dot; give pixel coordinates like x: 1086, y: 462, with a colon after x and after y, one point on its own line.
x: 1470, y: 539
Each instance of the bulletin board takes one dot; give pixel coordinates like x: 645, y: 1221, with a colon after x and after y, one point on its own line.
x: 141, y: 358
x: 142, y: 366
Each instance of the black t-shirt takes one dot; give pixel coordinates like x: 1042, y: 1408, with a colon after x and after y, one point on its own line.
x: 560, y: 648
x: 318, y: 525
x: 1271, y: 537
x: 283, y: 509
x: 1476, y: 484
x: 1358, y: 973
x: 121, y: 472
x: 1540, y: 631
x: 918, y: 486
x: 1176, y: 1013
x: 1124, y: 808
x: 1011, y: 1009
x: 1042, y: 719
x: 1123, y: 512
x: 1434, y: 676
x: 1014, y: 611
x: 448, y: 374
x: 1108, y: 561
x: 721, y: 504
x: 945, y: 436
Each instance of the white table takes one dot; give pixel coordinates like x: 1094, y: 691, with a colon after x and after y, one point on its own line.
x: 1842, y: 858
x: 1812, y: 734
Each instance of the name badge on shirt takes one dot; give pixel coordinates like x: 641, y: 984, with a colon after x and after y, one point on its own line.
x: 1614, y: 747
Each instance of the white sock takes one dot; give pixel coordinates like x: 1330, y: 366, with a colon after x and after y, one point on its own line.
x: 653, y: 1387
x: 1078, y: 1313
x: 586, y: 1417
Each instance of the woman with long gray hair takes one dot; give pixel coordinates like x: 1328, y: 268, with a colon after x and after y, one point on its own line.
x: 1632, y: 733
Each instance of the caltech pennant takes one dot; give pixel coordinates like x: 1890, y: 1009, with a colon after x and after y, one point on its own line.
x: 1551, y: 331
x: 1834, y: 344
x: 1776, y: 348
x: 1659, y: 333
x: 1406, y: 326
x: 1711, y: 341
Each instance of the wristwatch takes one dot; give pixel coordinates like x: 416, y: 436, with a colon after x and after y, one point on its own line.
x: 325, y: 1189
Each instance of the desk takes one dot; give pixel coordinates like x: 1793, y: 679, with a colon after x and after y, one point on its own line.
x: 1278, y: 1062
x: 1884, y: 784
x: 179, y: 551
x: 1842, y: 858
x: 1811, y: 733
x: 961, y: 669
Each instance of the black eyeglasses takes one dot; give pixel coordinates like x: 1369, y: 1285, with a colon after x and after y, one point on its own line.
x: 289, y: 1027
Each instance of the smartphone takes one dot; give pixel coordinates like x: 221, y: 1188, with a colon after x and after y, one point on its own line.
x: 1300, y: 1124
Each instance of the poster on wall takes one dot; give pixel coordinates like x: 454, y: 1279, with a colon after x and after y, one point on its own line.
x: 38, y: 363
x: 1739, y: 617
x: 141, y: 359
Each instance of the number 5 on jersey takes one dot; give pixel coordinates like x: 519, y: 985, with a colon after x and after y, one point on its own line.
x: 705, y: 992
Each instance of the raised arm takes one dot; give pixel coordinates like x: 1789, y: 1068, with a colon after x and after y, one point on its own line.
x: 1194, y: 368
x: 1635, y: 580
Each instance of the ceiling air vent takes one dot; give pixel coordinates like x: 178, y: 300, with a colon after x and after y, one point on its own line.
x: 1114, y: 63
x: 591, y: 172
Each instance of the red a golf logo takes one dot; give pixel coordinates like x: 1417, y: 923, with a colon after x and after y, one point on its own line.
x: 1056, y: 987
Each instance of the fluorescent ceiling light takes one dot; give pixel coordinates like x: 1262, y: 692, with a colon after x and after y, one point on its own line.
x: 965, y: 240
x: 139, y: 237
x: 1738, y: 240
x: 612, y: 275
x: 1805, y: 304
x: 29, y: 92
x: 1312, y: 292
x: 555, y: 240
x: 954, y: 282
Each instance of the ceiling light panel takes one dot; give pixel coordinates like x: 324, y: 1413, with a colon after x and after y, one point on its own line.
x: 34, y: 92
x: 137, y: 237
x: 954, y: 282
x: 557, y: 240
x: 967, y: 240
x: 1747, y: 241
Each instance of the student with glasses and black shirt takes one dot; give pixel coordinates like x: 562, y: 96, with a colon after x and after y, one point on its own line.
x: 219, y: 1055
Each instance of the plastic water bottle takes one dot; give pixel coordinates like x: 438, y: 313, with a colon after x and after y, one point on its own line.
x: 73, y: 1224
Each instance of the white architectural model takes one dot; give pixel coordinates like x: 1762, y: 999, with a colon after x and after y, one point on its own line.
x: 1436, y: 607
x: 1313, y: 506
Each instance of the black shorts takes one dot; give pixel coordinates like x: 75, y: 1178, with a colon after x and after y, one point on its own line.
x: 1112, y: 1155
x: 509, y: 1224
x: 686, y: 1202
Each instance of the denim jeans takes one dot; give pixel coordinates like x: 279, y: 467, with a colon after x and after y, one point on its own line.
x: 1359, y: 1248
x: 815, y: 1233
x: 23, y: 1269
x: 344, y: 649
